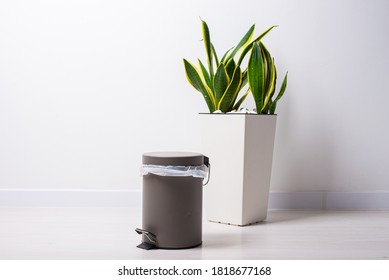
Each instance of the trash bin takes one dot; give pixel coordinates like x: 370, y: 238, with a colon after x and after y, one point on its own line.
x: 172, y: 199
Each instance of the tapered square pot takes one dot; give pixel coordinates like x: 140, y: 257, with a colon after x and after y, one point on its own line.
x: 240, y: 149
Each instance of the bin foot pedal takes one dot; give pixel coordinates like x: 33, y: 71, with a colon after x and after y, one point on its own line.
x: 149, y: 236
x: 146, y: 246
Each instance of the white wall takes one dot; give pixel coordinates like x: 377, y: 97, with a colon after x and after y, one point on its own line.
x: 87, y: 86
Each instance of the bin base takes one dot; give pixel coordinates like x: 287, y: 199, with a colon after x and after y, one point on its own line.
x: 183, y: 248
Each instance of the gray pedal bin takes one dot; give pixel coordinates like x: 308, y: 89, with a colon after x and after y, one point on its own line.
x: 172, y: 205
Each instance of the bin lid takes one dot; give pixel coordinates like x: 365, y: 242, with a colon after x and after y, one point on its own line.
x: 173, y: 158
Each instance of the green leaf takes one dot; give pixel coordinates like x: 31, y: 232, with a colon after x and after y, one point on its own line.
x: 280, y: 94
x: 283, y: 88
x: 227, y: 101
x: 193, y: 76
x: 246, y: 38
x: 214, y: 54
x: 250, y: 46
x: 220, y: 82
x: 270, y: 87
x: 240, y: 101
x: 267, y: 64
x: 230, y: 68
x: 256, y: 76
x: 205, y: 75
x: 272, y: 109
x: 270, y: 78
x: 244, y: 78
x: 223, y: 60
x: 207, y: 44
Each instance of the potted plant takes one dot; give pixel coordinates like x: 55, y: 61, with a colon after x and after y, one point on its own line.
x: 239, y: 145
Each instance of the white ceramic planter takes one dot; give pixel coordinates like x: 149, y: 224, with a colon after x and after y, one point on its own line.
x: 240, y: 149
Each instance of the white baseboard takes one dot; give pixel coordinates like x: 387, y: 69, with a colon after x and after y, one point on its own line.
x: 128, y: 198
x: 70, y: 198
x: 330, y: 200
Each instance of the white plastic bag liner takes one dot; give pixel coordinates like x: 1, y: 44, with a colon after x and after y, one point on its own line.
x: 200, y: 171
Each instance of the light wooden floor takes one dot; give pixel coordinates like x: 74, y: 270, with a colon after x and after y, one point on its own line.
x: 107, y: 233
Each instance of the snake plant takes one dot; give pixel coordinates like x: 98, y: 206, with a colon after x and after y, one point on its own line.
x: 222, y: 81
